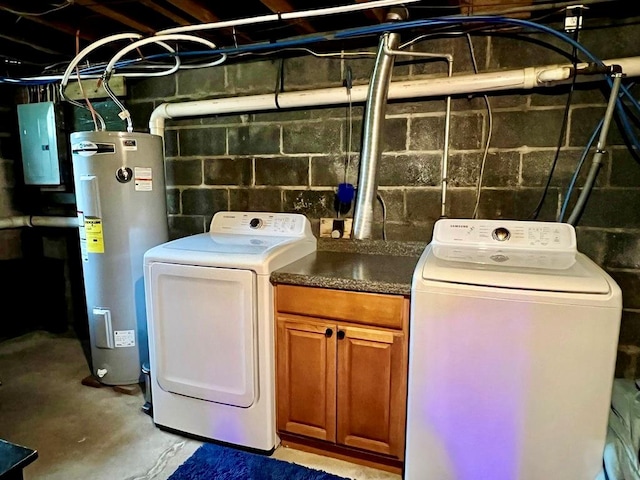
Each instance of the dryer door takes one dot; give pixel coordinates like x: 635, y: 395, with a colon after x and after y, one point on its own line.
x: 203, y: 325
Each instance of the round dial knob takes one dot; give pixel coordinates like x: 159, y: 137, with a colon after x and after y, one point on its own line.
x: 501, y: 234
x: 255, y: 223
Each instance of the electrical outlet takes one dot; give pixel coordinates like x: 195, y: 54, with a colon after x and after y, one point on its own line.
x: 336, y: 227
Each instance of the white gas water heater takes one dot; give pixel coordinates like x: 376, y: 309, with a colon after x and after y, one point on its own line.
x: 121, y: 203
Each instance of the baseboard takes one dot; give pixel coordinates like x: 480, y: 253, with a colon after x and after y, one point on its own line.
x: 341, y: 453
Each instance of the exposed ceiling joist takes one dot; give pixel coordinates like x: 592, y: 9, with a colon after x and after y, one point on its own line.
x: 201, y: 13
x: 376, y: 14
x: 60, y: 27
x: 164, y: 11
x: 116, y: 16
x: 283, y: 6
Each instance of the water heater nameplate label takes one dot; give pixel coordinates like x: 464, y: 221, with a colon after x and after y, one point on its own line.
x: 143, y: 179
x: 124, y: 338
x: 93, y: 232
x: 88, y: 149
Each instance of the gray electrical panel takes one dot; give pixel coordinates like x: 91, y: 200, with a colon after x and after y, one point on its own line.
x: 41, y: 143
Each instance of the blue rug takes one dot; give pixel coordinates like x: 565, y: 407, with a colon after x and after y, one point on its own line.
x: 215, y: 462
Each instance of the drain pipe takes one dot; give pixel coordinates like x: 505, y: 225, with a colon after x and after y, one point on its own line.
x: 37, y: 221
x: 373, y: 123
x: 518, y: 79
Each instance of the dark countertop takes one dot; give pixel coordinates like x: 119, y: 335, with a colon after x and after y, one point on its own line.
x: 357, y: 265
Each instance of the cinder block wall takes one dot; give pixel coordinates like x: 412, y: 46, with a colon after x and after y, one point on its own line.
x: 292, y: 160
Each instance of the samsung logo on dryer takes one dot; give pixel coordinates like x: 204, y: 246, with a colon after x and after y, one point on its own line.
x: 455, y: 225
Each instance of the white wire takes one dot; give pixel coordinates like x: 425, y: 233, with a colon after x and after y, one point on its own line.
x: 145, y: 41
x: 85, y: 51
x: 489, y: 133
x: 276, y: 17
x: 36, y: 14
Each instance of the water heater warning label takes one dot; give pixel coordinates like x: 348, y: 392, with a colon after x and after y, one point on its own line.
x: 143, y: 179
x: 124, y: 338
x: 93, y: 232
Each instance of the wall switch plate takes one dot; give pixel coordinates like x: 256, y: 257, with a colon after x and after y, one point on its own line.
x: 336, y: 227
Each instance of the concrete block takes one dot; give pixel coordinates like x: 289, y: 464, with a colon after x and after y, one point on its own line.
x: 630, y: 328
x: 625, y: 170
x: 410, y: 170
x: 533, y: 128
x: 202, y: 141
x: 228, y: 171
x: 536, y: 167
x: 183, y: 172
x: 253, y: 78
x: 612, y: 208
x: 254, y: 139
x: 183, y: 226
x: 255, y: 199
x: 629, y: 282
x: 312, y: 203
x: 173, y: 201
x: 422, y: 205
x: 204, y: 201
x: 394, y: 203
x: 584, y: 120
x: 201, y: 83
x: 282, y: 171
x: 170, y: 143
x: 531, y: 51
x: 426, y: 133
x: 153, y: 88
x: 330, y: 170
x: 466, y: 132
x: 311, y: 72
x: 312, y: 137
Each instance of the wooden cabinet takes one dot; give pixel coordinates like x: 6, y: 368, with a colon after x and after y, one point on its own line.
x: 342, y: 367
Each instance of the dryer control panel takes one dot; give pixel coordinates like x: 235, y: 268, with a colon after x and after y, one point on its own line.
x: 506, y: 235
x: 261, y: 223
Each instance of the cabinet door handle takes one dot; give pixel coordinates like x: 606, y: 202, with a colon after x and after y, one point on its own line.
x: 341, y: 334
x: 328, y: 333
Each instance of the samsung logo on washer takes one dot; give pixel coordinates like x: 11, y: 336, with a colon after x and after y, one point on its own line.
x: 458, y: 226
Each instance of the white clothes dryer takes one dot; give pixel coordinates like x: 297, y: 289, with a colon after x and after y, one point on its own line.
x: 211, y: 326
x: 513, y: 340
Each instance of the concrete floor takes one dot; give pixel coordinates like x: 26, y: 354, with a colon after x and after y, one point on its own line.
x: 82, y: 432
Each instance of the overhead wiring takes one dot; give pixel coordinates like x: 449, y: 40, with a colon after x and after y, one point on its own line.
x: 124, y: 113
x: 563, y: 130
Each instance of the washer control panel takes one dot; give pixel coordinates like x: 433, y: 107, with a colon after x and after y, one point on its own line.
x: 505, y: 234
x: 260, y: 223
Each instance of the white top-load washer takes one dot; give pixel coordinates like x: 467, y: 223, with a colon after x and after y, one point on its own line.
x: 513, y: 339
x: 210, y: 320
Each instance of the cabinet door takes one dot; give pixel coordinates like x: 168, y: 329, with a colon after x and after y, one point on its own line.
x: 372, y: 390
x: 306, y: 378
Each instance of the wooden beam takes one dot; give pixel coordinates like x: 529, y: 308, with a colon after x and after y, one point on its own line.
x: 164, y: 12
x: 94, y: 6
x: 283, y: 6
x: 196, y: 10
x: 378, y: 15
x: 60, y: 27
x: 488, y: 7
x: 203, y: 14
x: 30, y: 43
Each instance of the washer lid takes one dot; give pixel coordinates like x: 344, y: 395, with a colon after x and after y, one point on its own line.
x: 227, y: 243
x: 533, y: 270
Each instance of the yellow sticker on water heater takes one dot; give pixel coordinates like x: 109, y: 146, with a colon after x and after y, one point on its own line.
x: 93, y: 231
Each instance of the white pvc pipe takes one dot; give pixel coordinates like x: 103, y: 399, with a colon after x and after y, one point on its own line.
x: 37, y: 221
x: 519, y: 79
x: 277, y: 17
